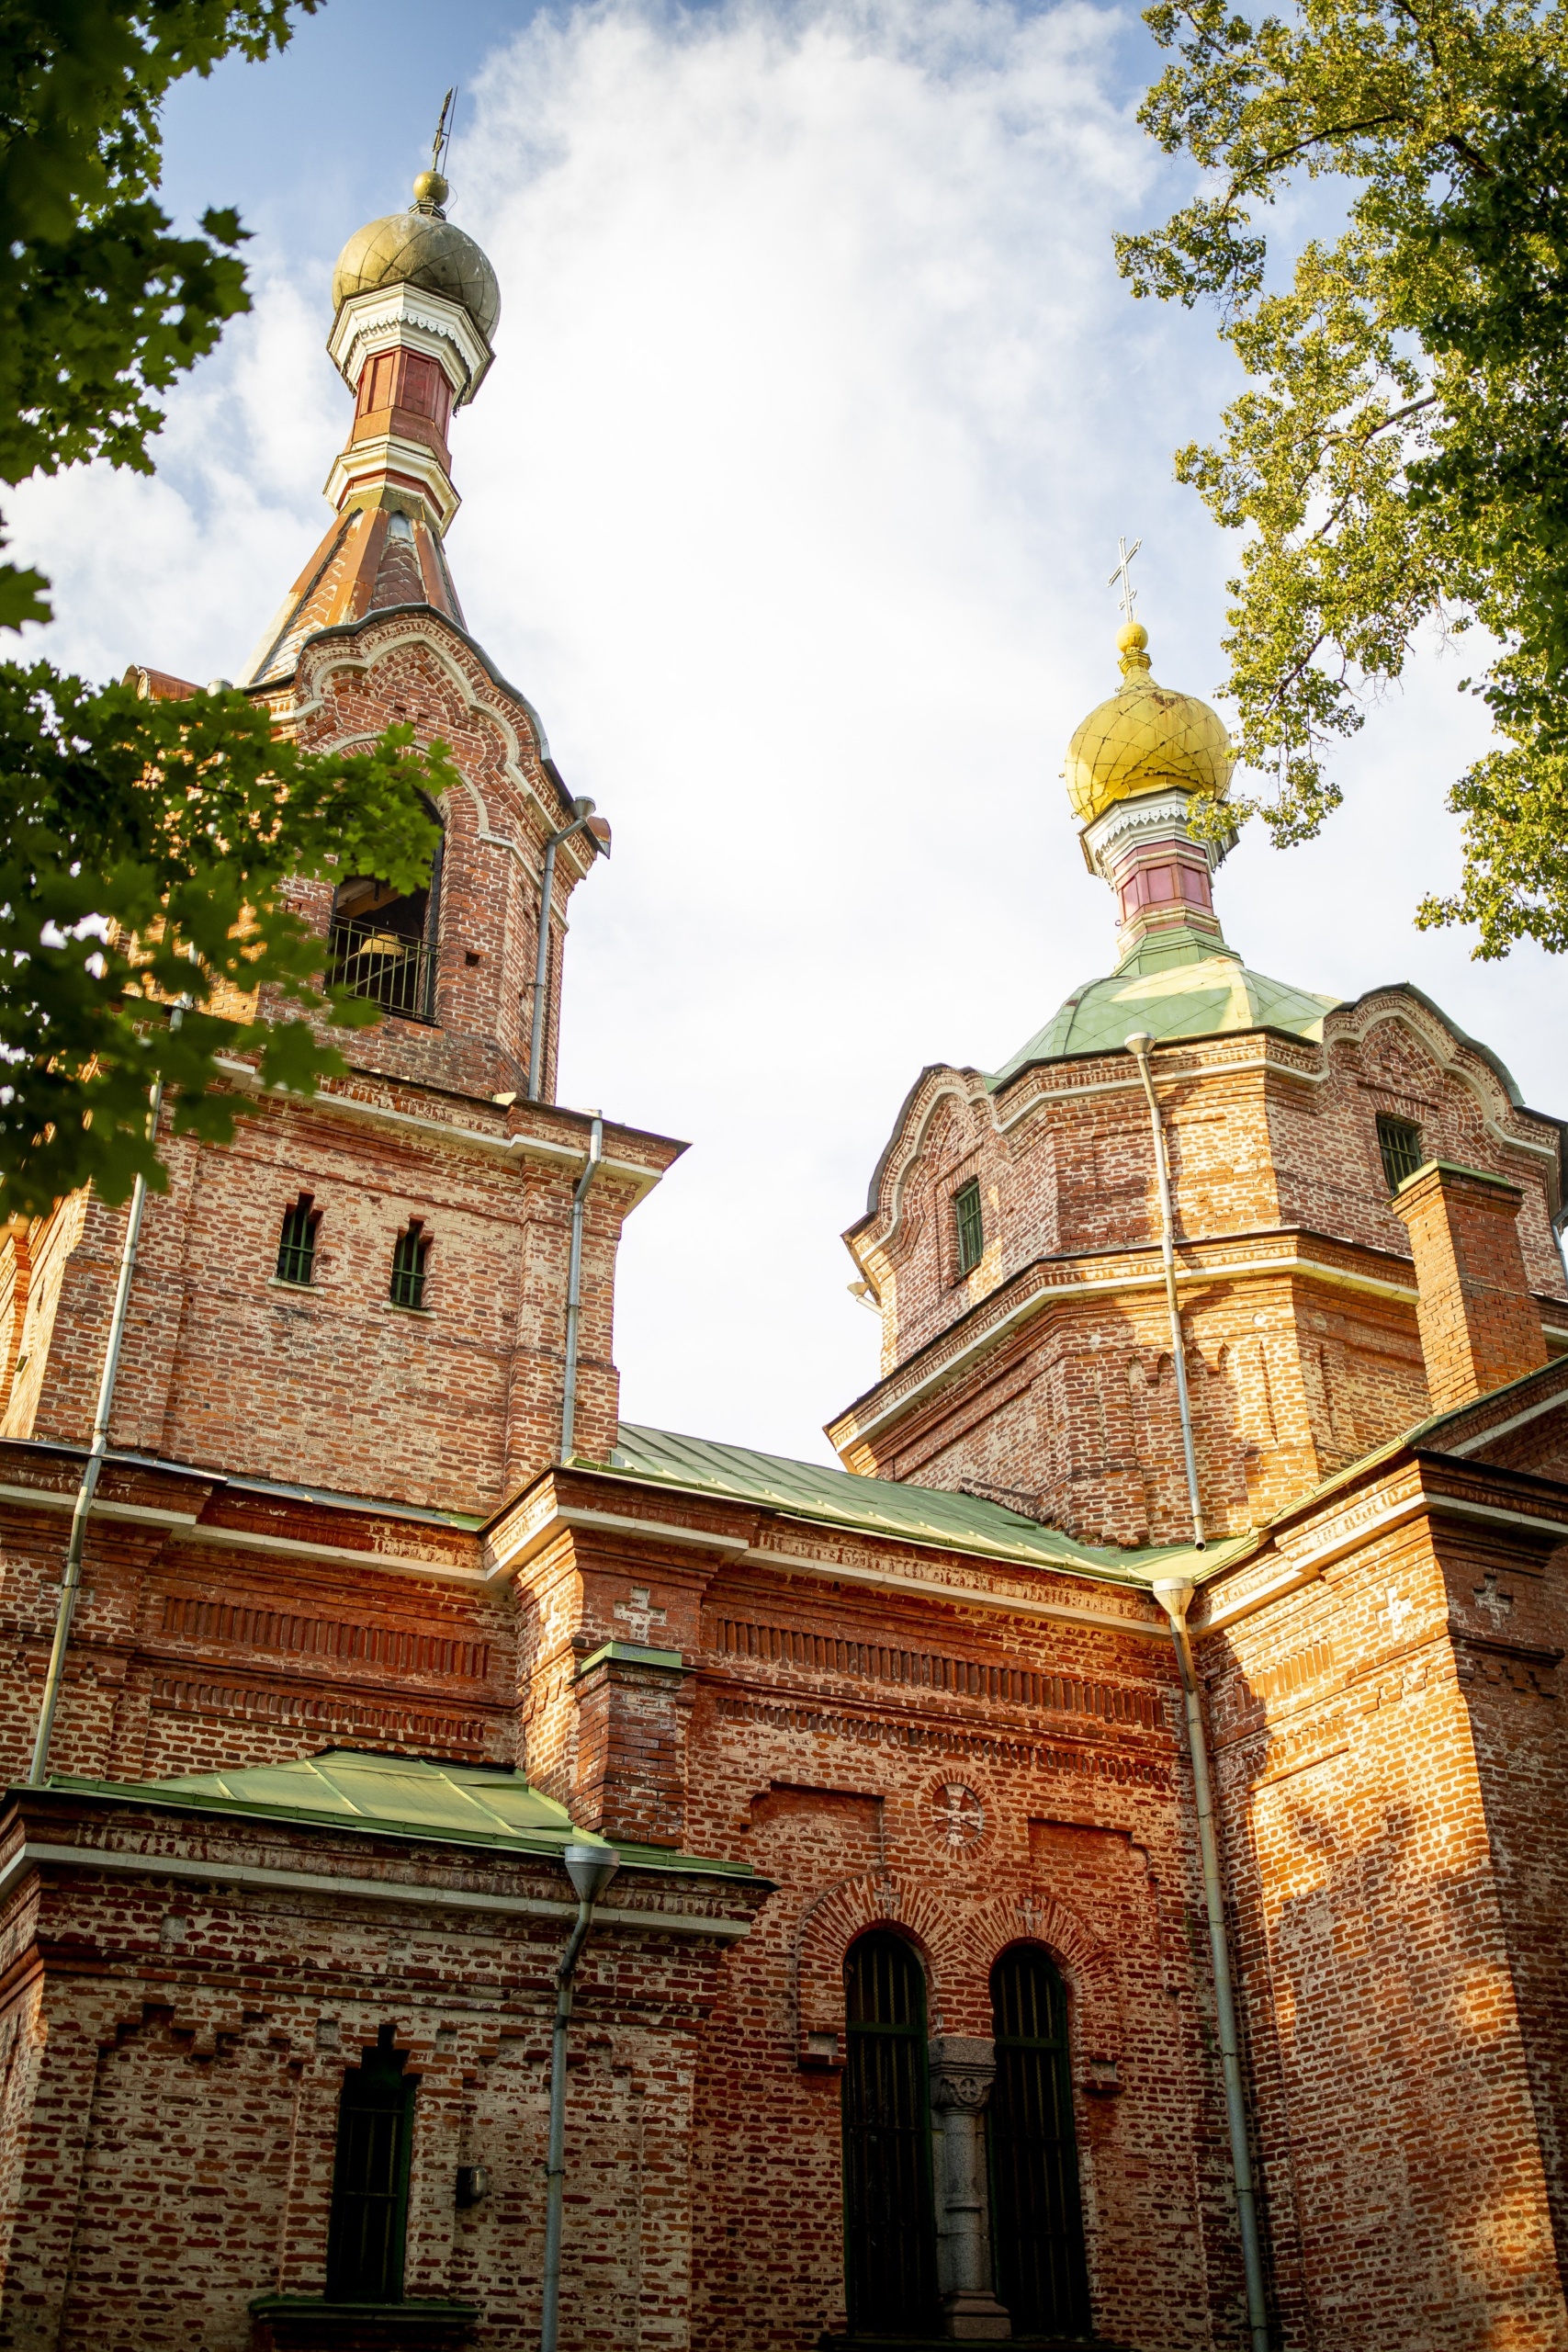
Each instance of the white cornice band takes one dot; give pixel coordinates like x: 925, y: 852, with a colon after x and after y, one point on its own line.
x: 411, y: 316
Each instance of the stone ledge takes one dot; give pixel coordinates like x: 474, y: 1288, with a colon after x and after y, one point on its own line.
x: 945, y: 2343
x: 313, y: 2324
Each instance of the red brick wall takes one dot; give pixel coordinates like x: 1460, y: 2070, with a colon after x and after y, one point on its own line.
x: 166, y: 2144
x: 1301, y: 1353
x: 1480, y: 1328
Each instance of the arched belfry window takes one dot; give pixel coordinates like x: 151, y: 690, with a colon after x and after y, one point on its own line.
x: 889, y: 2228
x: 370, y: 2178
x: 382, y: 944
x: 1036, y: 2217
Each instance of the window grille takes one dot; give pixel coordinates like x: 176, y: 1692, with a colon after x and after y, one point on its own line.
x: 1399, y: 1140
x: 408, y: 1265
x: 370, y: 2178
x: 969, y: 1225
x: 1036, y: 2217
x: 382, y: 945
x: 297, y: 1243
x: 890, y: 2232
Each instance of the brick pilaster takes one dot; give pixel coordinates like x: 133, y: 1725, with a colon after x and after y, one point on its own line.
x: 1480, y: 1326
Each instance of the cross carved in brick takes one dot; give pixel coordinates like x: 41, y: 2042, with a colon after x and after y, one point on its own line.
x: 1497, y: 1604
x: 1398, y: 1609
x: 637, y: 1616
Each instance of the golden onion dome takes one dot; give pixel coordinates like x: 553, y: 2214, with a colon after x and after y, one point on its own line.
x: 1145, y: 739
x: 419, y: 247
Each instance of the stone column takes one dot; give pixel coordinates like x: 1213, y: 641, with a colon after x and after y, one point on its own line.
x: 961, y: 2071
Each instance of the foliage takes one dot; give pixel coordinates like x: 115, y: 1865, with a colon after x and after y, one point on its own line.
x: 1400, y: 456
x: 101, y: 307
x: 150, y: 852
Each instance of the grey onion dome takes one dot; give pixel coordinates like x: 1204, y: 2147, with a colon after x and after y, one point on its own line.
x: 419, y: 247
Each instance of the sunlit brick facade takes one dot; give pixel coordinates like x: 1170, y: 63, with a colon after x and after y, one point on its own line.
x: 895, y: 1764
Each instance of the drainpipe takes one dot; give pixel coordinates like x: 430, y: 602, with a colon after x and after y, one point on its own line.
x: 574, y: 1286
x: 590, y: 1869
x: 1138, y: 1047
x: 541, y: 965
x: 1174, y: 1596
x: 69, y: 1583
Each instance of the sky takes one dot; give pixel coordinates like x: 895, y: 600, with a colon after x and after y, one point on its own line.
x: 818, y: 411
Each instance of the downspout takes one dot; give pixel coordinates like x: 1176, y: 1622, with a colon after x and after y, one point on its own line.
x: 590, y: 1869
x: 574, y: 1286
x: 1174, y: 1596
x: 70, y: 1582
x: 1138, y: 1047
x: 542, y: 963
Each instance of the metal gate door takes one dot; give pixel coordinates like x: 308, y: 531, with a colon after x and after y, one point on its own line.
x: 889, y: 2232
x: 1036, y: 2220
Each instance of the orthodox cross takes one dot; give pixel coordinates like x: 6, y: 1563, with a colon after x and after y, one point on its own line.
x: 444, y: 131
x: 1495, y: 1603
x: 1122, y: 573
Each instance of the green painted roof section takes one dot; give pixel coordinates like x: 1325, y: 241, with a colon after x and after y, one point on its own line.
x: 885, y: 1507
x: 1182, y: 987
x: 401, y: 1796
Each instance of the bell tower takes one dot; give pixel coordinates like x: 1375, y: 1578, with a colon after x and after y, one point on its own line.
x: 403, y: 1287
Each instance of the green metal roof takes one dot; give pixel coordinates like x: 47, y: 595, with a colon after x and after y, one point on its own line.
x: 1181, y: 988
x: 401, y: 1796
x: 885, y: 1507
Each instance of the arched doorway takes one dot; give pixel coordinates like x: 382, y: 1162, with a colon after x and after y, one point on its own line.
x: 889, y: 2230
x: 1036, y: 2218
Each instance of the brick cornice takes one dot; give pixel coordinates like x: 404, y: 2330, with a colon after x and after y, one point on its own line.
x: 1279, y: 1250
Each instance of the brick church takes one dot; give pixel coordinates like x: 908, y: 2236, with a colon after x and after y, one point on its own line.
x: 1091, y: 1870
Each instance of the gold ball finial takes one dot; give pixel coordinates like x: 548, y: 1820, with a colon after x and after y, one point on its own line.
x: 1145, y: 739
x: 430, y: 193
x: 1132, y: 644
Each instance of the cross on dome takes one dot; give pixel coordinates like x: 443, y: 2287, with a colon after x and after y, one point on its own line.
x: 1124, y: 573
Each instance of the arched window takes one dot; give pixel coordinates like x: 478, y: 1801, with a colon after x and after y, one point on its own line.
x: 889, y: 2230
x: 370, y: 2179
x: 1036, y: 2220
x: 297, y: 1242
x: 409, y: 1259
x: 382, y: 944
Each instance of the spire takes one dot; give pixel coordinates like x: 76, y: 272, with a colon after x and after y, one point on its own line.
x: 414, y: 305
x: 1135, y: 768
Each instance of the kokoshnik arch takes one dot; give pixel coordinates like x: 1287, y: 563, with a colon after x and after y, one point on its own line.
x: 899, y: 2020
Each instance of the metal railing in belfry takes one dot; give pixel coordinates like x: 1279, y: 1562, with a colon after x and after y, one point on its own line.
x: 391, y: 970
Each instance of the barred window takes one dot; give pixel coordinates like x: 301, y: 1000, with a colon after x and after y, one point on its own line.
x: 1399, y: 1140
x: 969, y: 1227
x: 408, y: 1265
x: 370, y: 2178
x: 383, y: 943
x: 297, y: 1243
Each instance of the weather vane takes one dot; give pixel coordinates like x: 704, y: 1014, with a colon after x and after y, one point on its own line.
x: 444, y: 131
x: 1122, y: 573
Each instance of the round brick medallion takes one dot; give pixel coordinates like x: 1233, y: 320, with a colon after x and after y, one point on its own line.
x: 954, y: 1816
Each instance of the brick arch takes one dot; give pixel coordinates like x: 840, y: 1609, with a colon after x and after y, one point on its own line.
x: 523, y: 744
x: 907, y: 1145
x: 958, y: 1942
x: 1034, y: 1916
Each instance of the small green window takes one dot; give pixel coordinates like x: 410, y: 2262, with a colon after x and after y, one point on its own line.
x: 1399, y: 1140
x: 408, y: 1265
x: 370, y: 2178
x: 970, y: 1227
x: 297, y: 1242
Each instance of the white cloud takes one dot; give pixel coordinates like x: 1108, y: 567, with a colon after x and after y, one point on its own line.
x: 791, y: 499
